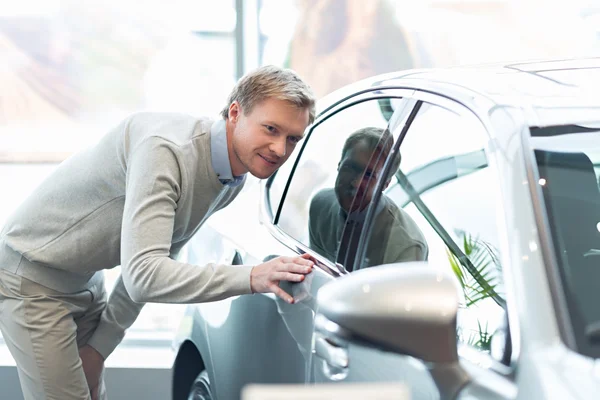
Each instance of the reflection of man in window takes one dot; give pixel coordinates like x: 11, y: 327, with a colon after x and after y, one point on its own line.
x: 337, y: 214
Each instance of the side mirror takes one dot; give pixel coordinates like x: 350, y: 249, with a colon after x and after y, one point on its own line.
x: 406, y: 308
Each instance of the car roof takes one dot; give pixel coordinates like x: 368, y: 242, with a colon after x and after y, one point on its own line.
x: 552, y: 92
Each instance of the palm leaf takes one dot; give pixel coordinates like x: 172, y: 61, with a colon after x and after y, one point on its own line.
x: 484, y: 282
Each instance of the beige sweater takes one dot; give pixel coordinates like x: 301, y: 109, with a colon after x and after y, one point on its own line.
x: 133, y: 200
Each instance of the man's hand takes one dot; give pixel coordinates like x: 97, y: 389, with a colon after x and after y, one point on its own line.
x: 265, y: 277
x: 93, y: 366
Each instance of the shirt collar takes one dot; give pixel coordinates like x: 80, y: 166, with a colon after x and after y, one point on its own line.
x: 220, y: 155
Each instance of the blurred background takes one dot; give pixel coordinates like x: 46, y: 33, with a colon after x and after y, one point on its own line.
x: 72, y: 69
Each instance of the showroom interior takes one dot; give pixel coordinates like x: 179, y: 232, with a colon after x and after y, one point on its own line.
x: 72, y: 70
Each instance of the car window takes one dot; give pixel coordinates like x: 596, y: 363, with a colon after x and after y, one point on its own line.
x: 279, y: 180
x: 568, y: 164
x: 447, y: 190
x: 331, y: 187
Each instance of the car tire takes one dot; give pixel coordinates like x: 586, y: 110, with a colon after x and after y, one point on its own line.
x: 200, y: 389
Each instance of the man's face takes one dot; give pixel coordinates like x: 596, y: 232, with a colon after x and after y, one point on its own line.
x: 357, y: 176
x: 263, y: 139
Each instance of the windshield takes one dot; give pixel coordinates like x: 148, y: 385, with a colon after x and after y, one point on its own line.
x: 568, y: 161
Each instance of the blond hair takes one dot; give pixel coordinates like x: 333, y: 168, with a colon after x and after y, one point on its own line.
x: 271, y: 82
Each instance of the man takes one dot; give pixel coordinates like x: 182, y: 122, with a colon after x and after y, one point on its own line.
x: 337, y: 215
x: 134, y: 200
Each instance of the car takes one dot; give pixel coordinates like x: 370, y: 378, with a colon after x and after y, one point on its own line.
x: 483, y: 286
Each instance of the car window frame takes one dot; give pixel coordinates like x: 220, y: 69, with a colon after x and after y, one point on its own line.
x: 270, y: 220
x: 457, y: 107
x: 328, y: 111
x: 421, y: 206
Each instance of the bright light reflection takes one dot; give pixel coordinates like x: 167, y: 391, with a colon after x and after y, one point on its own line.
x: 542, y: 182
x: 533, y: 246
x: 366, y: 288
x: 598, y: 226
x: 29, y: 7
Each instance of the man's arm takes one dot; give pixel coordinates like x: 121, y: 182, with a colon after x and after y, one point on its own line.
x: 120, y: 313
x: 148, y: 274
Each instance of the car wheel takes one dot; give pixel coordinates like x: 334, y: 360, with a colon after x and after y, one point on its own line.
x: 200, y: 389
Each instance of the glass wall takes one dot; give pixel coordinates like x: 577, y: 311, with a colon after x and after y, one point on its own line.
x: 70, y: 70
x: 335, y: 42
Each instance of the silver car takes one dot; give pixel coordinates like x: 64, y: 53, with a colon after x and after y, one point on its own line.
x: 479, y: 193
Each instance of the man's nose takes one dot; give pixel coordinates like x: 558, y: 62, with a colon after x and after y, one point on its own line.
x: 362, y: 181
x: 278, y: 146
x: 357, y: 181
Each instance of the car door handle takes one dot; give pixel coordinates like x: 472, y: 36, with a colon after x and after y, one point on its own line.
x: 335, y: 355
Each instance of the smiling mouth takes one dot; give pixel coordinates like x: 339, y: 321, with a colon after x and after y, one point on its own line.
x: 269, y: 161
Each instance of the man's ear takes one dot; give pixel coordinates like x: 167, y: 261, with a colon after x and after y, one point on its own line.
x: 234, y: 112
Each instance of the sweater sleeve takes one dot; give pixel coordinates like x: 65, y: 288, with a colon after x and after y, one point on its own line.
x: 148, y: 274
x: 119, y: 314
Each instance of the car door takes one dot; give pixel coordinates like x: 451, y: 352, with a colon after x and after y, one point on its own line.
x: 446, y: 183
x: 242, y: 339
x: 315, y: 177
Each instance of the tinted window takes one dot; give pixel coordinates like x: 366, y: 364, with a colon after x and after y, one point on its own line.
x: 568, y: 160
x: 332, y: 185
x: 445, y: 186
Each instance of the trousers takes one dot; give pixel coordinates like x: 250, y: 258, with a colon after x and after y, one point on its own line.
x: 43, y: 330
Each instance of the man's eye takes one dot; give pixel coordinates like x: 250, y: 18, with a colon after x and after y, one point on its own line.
x: 270, y: 128
x: 294, y: 139
x: 369, y: 175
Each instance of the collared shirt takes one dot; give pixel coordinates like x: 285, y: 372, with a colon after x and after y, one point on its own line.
x: 220, y: 155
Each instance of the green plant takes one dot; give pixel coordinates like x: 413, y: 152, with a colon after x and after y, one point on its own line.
x: 484, y: 283
x: 484, y: 258
x: 481, y: 339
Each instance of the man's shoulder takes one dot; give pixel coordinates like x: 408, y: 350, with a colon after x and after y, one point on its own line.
x: 323, y: 201
x: 324, y: 198
x: 401, y: 221
x: 176, y: 128
x: 324, y: 194
x: 163, y: 116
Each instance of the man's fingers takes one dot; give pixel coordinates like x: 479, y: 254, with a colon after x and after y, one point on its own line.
x: 282, y: 294
x: 300, y: 260
x: 288, y: 276
x: 297, y: 265
x: 305, y: 259
x: 295, y: 268
x: 307, y: 256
